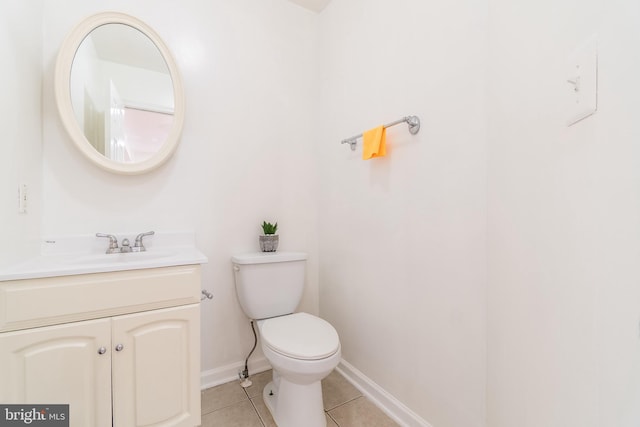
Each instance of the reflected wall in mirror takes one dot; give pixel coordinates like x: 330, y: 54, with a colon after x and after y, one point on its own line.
x: 119, y: 93
x: 122, y: 98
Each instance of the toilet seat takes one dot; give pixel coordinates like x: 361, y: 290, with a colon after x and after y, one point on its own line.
x: 300, y: 336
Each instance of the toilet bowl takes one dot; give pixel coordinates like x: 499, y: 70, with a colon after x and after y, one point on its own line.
x: 301, y: 348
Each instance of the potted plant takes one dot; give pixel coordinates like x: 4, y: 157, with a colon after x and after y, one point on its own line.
x: 269, y: 241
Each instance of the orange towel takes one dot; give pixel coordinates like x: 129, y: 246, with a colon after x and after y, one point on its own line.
x: 374, y: 143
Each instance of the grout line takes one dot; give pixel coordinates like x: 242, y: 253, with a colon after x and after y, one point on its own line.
x: 222, y: 407
x: 343, y: 403
x: 246, y: 393
x: 333, y: 419
x: 264, y: 424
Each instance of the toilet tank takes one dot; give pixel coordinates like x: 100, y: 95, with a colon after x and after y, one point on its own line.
x: 269, y: 284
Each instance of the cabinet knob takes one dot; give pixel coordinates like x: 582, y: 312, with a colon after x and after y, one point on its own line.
x: 119, y: 347
x: 102, y: 350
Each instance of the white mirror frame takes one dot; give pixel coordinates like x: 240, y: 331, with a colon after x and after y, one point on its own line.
x: 62, y: 86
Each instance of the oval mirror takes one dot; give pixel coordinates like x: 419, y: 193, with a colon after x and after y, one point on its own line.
x: 119, y: 93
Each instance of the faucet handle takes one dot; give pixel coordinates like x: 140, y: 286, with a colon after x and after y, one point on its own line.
x: 113, y: 242
x: 138, y: 246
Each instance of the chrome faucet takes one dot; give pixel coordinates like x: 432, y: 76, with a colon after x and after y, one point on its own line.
x: 113, y: 242
x: 138, y: 246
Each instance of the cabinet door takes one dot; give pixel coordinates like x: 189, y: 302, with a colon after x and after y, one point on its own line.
x: 60, y: 365
x: 156, y: 369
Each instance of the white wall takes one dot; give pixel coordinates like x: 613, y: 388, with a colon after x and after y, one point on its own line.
x: 21, y: 144
x: 402, y: 238
x: 249, y: 73
x: 564, y: 219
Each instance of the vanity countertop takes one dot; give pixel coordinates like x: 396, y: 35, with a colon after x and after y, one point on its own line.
x: 74, y: 255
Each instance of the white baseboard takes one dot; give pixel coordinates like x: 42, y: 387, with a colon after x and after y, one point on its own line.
x: 381, y: 398
x: 228, y: 373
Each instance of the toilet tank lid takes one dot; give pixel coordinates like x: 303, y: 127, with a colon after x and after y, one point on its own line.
x: 268, y: 257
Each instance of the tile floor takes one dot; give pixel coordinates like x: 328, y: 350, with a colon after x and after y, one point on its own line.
x: 229, y: 405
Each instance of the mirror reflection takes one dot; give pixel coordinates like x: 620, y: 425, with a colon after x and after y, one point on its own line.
x: 122, y: 93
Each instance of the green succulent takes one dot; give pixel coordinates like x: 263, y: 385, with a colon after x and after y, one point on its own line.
x: 269, y: 228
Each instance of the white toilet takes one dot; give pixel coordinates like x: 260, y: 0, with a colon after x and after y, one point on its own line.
x: 302, y: 349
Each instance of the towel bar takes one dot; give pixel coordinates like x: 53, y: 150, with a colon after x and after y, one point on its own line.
x: 412, y: 121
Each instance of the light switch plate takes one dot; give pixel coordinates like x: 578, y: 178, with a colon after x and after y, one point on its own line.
x: 582, y: 81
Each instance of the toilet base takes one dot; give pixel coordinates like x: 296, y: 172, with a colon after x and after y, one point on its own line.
x: 295, y: 405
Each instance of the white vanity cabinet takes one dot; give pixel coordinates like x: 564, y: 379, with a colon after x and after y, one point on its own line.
x: 121, y: 348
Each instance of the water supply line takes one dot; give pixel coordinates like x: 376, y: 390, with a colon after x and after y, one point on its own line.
x: 244, y: 374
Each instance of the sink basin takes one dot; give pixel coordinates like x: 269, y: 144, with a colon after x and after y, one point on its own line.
x: 106, y: 259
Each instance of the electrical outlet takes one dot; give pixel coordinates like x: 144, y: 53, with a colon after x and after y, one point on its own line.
x: 22, y: 198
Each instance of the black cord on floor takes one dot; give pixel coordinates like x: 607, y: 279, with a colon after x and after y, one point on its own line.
x: 245, y: 373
